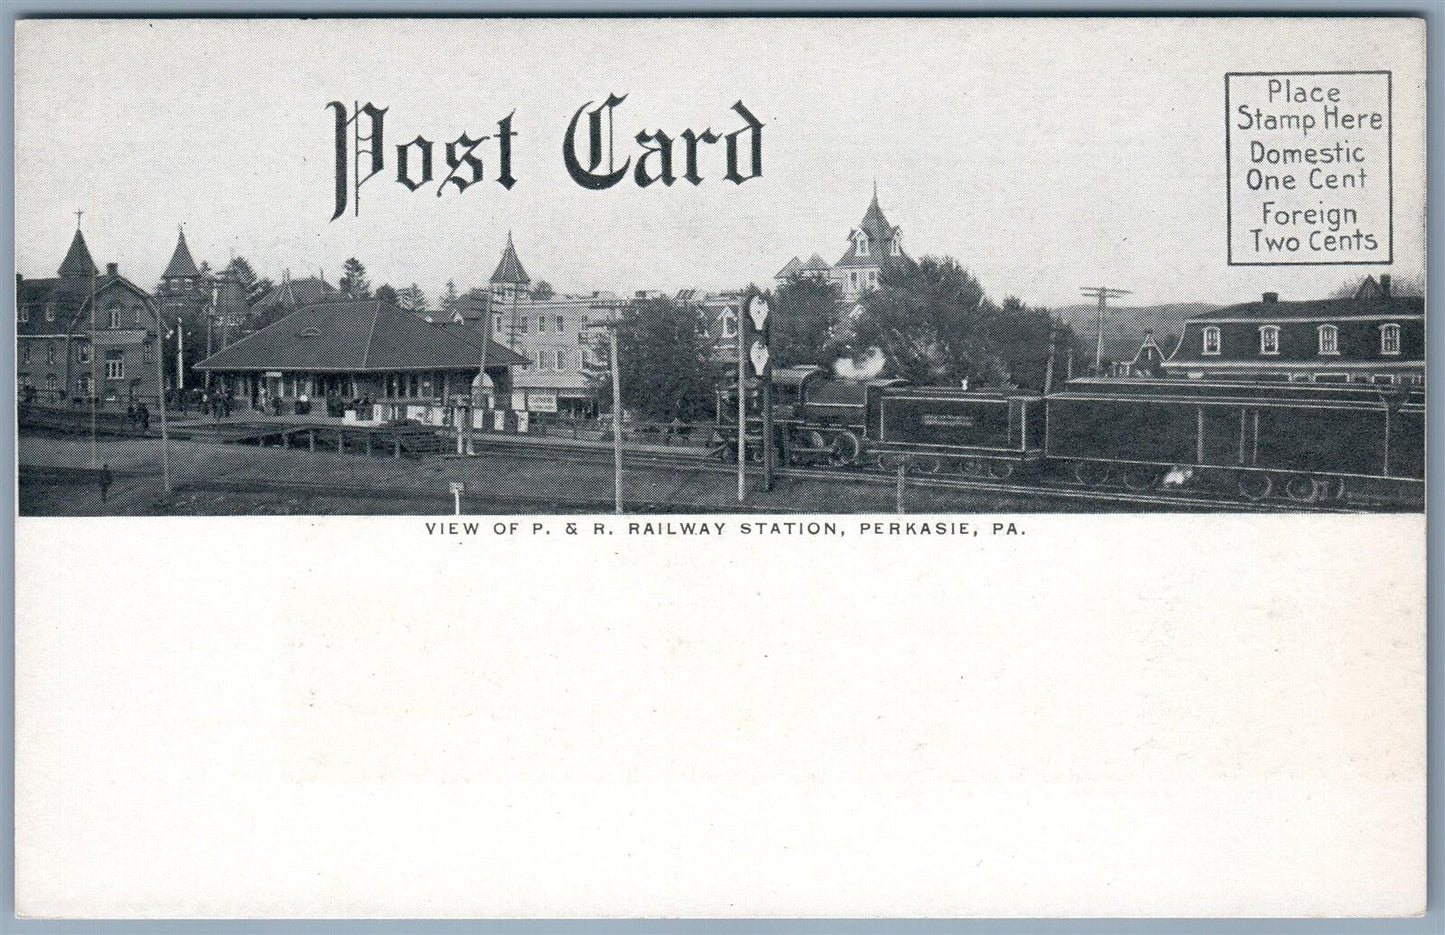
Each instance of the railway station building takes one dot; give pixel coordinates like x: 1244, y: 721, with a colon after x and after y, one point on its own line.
x: 1372, y: 337
x: 332, y: 355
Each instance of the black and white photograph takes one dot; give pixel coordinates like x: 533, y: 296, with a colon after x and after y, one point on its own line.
x: 712, y: 293
x: 721, y: 467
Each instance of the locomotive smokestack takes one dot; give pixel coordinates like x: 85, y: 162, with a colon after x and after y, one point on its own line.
x: 1271, y: 297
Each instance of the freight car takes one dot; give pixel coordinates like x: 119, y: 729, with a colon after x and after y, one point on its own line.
x: 1308, y: 442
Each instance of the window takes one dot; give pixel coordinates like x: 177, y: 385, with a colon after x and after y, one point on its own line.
x: 872, y: 278
x: 1211, y: 340
x: 862, y: 244
x: 82, y: 352
x: 1390, y: 339
x: 50, y: 353
x: 522, y: 325
x: 541, y: 324
x: 145, y: 353
x: 496, y: 324
x: 1384, y: 378
x: 893, y: 248
x: 729, y: 320
x: 561, y: 359
x: 24, y: 314
x: 1329, y: 339
x: 1269, y: 339
x: 115, y: 365
x: 136, y: 314
x: 1415, y: 379
x: 50, y: 383
x: 113, y: 316
x: 584, y: 338
x: 559, y: 323
x: 50, y: 313
x: 853, y: 280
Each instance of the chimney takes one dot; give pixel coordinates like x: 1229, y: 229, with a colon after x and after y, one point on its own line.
x: 1385, y: 284
x: 112, y: 269
x: 1271, y: 297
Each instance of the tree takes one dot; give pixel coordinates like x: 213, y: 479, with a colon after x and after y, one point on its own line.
x: 353, y: 279
x: 413, y: 299
x: 387, y: 294
x: 542, y: 291
x: 929, y: 317
x: 806, y: 315
x: 664, y: 354
x: 449, y: 297
x: 1400, y: 285
x: 256, y: 286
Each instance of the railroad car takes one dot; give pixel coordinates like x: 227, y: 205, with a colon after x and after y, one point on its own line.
x: 1308, y: 442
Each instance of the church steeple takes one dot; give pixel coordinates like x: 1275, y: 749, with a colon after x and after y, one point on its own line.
x: 181, y: 265
x: 77, y: 262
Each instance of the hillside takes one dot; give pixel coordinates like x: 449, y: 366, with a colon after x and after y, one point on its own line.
x: 1124, y: 326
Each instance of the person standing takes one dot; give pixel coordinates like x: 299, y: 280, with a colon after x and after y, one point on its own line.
x: 144, y: 415
x: 105, y: 479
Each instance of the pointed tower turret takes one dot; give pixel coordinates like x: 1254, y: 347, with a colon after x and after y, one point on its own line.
x: 181, y: 265
x: 77, y: 263
x: 510, y: 276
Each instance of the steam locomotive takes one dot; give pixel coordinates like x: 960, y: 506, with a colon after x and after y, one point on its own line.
x: 1310, y: 442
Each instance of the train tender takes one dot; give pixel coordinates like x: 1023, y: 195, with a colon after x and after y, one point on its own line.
x: 1309, y: 442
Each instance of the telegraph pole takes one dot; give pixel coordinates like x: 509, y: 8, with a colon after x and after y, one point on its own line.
x: 94, y: 443
x: 1102, y: 293
x: 1049, y: 365
x: 611, y: 325
x: 742, y: 410
x: 161, y: 396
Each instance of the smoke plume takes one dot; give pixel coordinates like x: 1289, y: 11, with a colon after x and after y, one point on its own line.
x: 863, y: 368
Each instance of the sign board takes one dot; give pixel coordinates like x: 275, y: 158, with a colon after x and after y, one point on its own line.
x: 757, y: 326
x: 519, y: 399
x: 541, y: 402
x: 458, y: 487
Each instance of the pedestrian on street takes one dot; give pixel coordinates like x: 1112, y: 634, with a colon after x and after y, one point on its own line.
x: 144, y: 415
x: 130, y: 417
x: 105, y: 480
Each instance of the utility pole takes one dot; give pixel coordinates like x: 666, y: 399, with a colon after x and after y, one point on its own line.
x: 94, y: 443
x: 1102, y: 293
x: 468, y: 413
x: 742, y: 409
x: 1049, y: 365
x: 161, y: 396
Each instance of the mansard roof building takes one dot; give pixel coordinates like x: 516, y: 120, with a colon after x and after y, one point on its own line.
x: 1373, y: 336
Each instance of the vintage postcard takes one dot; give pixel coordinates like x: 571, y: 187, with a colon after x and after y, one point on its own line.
x: 720, y: 467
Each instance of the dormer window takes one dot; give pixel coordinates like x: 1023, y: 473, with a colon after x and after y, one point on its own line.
x: 1390, y: 339
x: 1211, y: 340
x: 1329, y: 339
x: 893, y: 248
x: 729, y: 321
x: 1269, y: 339
x: 862, y: 244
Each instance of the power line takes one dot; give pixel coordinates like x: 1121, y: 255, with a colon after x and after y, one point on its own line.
x: 1103, y: 294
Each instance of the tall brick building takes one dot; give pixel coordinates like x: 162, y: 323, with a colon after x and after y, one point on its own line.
x: 82, y: 332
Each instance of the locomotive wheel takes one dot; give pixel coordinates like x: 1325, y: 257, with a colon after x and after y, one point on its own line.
x: 927, y: 464
x: 891, y: 462
x: 816, y: 440
x: 1137, y: 477
x: 1332, y: 488
x: 1303, y: 488
x: 846, y: 448
x: 1091, y: 473
x: 1000, y: 470
x: 1254, y: 486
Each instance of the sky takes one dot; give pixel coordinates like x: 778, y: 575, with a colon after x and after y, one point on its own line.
x: 1044, y: 155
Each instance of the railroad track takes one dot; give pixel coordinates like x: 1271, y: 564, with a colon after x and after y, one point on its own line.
x: 1060, y: 491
